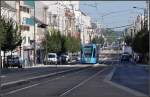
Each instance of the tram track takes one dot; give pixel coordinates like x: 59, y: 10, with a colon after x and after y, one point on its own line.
x: 75, y: 78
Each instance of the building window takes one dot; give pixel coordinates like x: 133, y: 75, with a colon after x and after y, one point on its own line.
x: 25, y: 28
x: 28, y: 39
x: 24, y: 40
x: 24, y: 9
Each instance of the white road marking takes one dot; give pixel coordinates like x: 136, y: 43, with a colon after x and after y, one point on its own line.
x: 20, y: 89
x: 3, y: 76
x: 83, y: 82
x: 17, y: 90
x: 13, y: 82
x: 77, y: 65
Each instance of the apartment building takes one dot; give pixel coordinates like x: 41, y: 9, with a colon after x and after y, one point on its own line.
x: 62, y: 15
x: 23, y: 13
x: 137, y: 25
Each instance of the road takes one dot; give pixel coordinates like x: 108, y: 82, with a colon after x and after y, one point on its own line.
x: 133, y: 76
x: 18, y: 74
x: 79, y: 81
x: 86, y: 82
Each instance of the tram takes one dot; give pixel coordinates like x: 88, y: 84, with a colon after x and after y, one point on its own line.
x: 89, y: 54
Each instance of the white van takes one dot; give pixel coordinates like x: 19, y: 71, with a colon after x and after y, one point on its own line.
x: 51, y: 58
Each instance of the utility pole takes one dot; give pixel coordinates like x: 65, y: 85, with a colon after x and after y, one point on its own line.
x: 34, y: 37
x: 73, y: 20
x: 148, y: 3
x: 45, y: 16
x: 0, y: 43
x: 19, y: 20
x: 58, y: 14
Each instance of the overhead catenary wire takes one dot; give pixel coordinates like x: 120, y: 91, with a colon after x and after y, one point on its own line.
x: 121, y: 26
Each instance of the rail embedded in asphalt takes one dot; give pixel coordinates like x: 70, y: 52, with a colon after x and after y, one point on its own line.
x: 82, y: 83
x: 35, y: 84
x: 13, y: 83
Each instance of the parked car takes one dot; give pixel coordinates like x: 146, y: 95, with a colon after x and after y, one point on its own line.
x: 78, y: 59
x: 51, y: 58
x: 13, y: 61
x: 64, y: 58
x: 125, y: 57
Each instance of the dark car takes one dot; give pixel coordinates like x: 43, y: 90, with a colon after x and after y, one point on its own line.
x: 125, y: 57
x: 64, y: 58
x: 13, y: 61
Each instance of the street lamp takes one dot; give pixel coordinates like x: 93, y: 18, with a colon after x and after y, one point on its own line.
x: 139, y: 7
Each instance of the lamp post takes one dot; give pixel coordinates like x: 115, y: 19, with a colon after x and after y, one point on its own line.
x: 148, y: 3
x: 46, y: 33
x: 34, y: 37
x: 139, y: 7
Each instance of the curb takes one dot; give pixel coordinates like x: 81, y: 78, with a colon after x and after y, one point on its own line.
x: 40, y: 66
x: 134, y: 92
x: 24, y: 81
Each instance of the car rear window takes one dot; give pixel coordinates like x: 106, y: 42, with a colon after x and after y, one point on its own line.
x: 51, y: 56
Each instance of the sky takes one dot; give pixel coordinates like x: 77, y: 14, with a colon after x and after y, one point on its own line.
x: 122, y: 12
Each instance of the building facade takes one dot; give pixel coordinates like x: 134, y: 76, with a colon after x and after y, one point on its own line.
x: 62, y: 15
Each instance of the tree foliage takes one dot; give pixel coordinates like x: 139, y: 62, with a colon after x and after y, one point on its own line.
x: 72, y: 44
x: 53, y: 41
x: 140, y: 42
x: 98, y: 40
x: 11, y: 37
x: 110, y: 35
x: 60, y: 43
x: 2, y: 21
x: 128, y: 40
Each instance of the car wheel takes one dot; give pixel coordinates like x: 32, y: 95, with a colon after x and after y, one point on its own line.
x: 5, y: 66
x: 19, y: 66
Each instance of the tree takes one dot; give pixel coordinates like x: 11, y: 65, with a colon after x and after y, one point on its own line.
x: 109, y: 34
x: 60, y: 43
x: 1, y: 30
x: 53, y: 41
x: 72, y: 44
x: 98, y: 40
x: 140, y: 44
x: 128, y: 40
x: 63, y: 44
x: 1, y: 36
x: 12, y: 38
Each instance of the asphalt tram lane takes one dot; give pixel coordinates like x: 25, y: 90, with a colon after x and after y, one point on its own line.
x: 54, y: 87
x: 27, y: 73
x: 97, y: 87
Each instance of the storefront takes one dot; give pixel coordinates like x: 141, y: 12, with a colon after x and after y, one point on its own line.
x: 28, y: 56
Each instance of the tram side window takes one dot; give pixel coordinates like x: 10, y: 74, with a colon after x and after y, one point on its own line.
x: 81, y: 52
x: 94, y: 54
